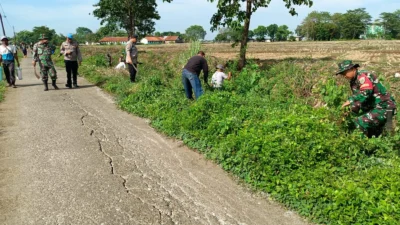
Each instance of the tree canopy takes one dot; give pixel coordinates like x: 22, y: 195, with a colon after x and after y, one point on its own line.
x: 195, y: 32
x: 135, y: 16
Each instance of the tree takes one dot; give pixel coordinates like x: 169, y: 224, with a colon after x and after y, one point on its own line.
x: 195, y: 32
x: 271, y: 31
x: 107, y: 30
x: 25, y: 36
x: 251, y: 34
x: 283, y: 33
x: 130, y: 15
x: 260, y: 32
x: 354, y: 23
x: 319, y: 26
x: 32, y: 37
x: 391, y: 23
x: 83, y: 34
x: 230, y: 13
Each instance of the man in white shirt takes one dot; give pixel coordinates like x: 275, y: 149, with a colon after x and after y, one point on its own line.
x: 8, y: 56
x: 218, y: 78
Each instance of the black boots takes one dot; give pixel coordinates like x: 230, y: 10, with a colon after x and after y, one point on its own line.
x: 55, y: 85
x: 46, y: 86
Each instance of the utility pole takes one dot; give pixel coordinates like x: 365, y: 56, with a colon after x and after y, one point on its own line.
x: 2, y: 25
x: 15, y: 37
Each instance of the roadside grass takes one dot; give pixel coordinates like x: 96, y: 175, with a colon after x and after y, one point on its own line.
x: 279, y: 128
x: 2, y: 90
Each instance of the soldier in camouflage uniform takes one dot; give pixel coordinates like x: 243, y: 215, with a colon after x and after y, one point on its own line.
x: 42, y: 52
x: 370, y: 96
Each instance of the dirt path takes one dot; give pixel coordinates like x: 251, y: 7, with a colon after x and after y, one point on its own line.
x: 71, y: 157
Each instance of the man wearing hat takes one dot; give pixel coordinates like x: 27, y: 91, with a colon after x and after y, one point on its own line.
x: 370, y: 96
x: 42, y: 52
x: 131, y: 57
x: 8, y: 55
x: 72, y: 56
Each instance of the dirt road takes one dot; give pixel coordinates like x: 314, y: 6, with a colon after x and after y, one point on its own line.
x: 71, y: 157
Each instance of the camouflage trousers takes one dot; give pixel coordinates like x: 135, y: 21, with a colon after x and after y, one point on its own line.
x: 48, y: 70
x: 372, y: 123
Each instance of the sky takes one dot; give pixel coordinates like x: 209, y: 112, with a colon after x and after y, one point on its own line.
x: 66, y: 15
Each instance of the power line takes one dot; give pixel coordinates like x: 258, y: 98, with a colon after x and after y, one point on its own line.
x: 5, y: 17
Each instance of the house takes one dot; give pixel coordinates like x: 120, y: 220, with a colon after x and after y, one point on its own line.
x: 172, y: 39
x: 150, y: 40
x: 114, y: 40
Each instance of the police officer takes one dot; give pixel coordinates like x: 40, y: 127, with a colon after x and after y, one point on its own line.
x: 42, y: 52
x: 370, y: 96
x: 131, y: 57
x: 72, y: 56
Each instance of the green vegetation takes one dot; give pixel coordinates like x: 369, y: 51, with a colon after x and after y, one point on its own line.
x: 2, y: 90
x: 278, y: 128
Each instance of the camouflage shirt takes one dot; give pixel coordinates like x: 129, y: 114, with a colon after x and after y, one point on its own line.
x: 42, y: 53
x: 369, y: 93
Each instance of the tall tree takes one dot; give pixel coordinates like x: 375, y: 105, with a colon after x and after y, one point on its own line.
x: 128, y: 14
x: 391, y: 23
x: 354, y: 23
x: 260, y: 32
x: 230, y: 13
x: 319, y: 26
x: 272, y: 29
x: 83, y: 34
x: 25, y: 36
x: 283, y: 33
x: 195, y: 32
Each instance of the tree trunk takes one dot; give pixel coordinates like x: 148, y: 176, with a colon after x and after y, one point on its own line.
x: 131, y: 15
x: 243, y: 45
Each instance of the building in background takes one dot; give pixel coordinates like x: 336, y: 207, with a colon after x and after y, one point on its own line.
x: 114, y: 40
x: 172, y: 39
x: 374, y: 31
x: 150, y: 40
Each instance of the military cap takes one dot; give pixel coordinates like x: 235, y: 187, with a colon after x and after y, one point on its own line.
x: 346, y: 65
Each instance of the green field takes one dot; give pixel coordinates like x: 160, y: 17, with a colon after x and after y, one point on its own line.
x: 277, y: 125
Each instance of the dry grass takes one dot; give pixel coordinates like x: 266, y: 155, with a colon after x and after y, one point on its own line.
x: 380, y: 56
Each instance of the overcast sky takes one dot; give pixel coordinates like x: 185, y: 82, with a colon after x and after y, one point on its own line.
x: 66, y: 15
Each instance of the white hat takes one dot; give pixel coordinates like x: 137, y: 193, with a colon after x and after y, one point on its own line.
x: 220, y: 66
x: 3, y: 37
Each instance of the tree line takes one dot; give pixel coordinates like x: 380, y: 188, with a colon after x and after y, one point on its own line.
x: 353, y: 24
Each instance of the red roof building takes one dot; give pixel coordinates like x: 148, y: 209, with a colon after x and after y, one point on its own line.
x: 114, y: 40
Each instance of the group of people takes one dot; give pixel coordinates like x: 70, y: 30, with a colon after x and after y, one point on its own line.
x: 190, y: 74
x: 42, y: 52
x: 369, y: 94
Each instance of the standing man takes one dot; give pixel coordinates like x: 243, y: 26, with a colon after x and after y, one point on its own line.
x: 42, y: 54
x: 8, y: 55
x: 131, y: 57
x: 370, y: 96
x: 72, y: 56
x: 191, y: 73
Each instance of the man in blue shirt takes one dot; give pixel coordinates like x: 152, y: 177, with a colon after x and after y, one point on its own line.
x: 8, y: 56
x: 190, y: 75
